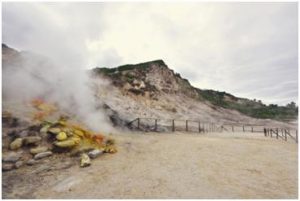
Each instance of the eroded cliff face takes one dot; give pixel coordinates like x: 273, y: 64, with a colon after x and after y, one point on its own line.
x: 150, y: 79
x: 153, y: 90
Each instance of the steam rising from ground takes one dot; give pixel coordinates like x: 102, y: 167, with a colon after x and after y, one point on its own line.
x: 32, y: 76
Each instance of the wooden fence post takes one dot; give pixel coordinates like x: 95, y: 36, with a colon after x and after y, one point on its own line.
x: 173, y: 125
x: 186, y: 125
x: 199, y: 126
x: 285, y: 137
x: 138, y: 122
x: 276, y: 133
x: 155, y: 124
x: 271, y: 131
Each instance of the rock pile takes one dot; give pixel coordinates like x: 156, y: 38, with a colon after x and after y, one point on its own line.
x: 33, y: 142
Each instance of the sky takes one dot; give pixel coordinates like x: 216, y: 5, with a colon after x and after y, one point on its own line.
x: 247, y: 49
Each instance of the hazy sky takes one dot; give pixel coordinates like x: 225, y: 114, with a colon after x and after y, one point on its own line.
x: 247, y: 49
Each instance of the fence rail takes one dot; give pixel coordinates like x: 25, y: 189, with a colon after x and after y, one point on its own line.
x: 167, y: 125
x: 159, y: 125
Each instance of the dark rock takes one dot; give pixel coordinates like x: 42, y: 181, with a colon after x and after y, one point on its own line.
x: 36, y: 128
x: 114, y: 116
x: 8, y: 120
x: 33, y: 133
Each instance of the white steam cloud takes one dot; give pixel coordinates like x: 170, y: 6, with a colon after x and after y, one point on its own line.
x: 28, y: 76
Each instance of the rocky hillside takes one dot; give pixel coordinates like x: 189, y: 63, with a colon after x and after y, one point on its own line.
x: 154, y: 79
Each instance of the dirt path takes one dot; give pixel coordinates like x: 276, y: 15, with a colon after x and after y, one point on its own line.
x: 179, y: 166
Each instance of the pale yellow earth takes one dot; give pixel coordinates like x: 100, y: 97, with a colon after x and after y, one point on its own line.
x: 181, y: 165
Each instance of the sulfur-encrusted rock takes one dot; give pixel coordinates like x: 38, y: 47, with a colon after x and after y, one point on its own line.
x: 68, y: 131
x: 16, y: 144
x: 71, y: 142
x: 32, y: 140
x: 42, y: 155
x: 79, y: 133
x: 61, y: 136
x: 37, y: 150
x: 7, y: 166
x: 11, y: 156
x: 85, y: 160
x: 95, y: 153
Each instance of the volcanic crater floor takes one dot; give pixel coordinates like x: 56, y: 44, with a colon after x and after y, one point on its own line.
x: 167, y: 165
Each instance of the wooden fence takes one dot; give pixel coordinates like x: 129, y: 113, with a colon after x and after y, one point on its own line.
x: 160, y: 125
x: 281, y: 133
x: 172, y: 125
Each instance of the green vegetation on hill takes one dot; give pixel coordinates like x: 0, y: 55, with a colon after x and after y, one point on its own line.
x: 251, y: 108
x: 142, y: 66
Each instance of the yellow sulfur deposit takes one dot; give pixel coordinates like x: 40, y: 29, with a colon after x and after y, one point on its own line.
x: 110, y: 149
x: 78, y: 133
x: 61, y: 136
x: 43, y: 109
x: 66, y: 143
x: 70, y: 136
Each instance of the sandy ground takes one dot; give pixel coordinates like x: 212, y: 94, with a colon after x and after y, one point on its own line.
x: 239, y: 165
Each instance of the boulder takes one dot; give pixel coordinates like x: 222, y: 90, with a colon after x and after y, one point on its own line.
x: 85, y: 160
x: 95, y: 153
x: 11, y: 157
x: 16, y: 144
x: 37, y: 150
x: 42, y: 155
x: 32, y: 140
